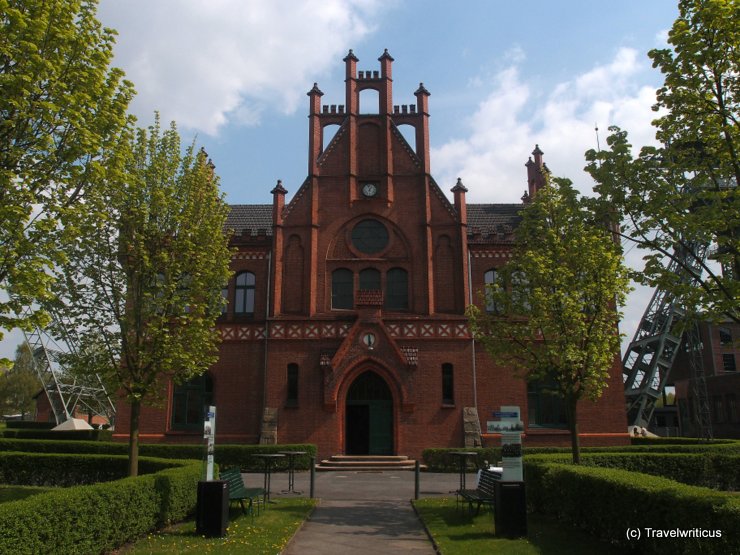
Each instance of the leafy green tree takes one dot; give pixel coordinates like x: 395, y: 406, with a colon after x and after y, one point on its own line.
x: 555, y: 318
x: 19, y: 384
x: 684, y: 194
x: 61, y: 110
x: 142, y: 285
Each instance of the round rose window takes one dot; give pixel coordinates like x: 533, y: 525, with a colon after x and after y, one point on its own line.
x: 370, y: 236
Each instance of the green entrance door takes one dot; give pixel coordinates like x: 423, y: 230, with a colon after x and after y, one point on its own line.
x: 369, y: 417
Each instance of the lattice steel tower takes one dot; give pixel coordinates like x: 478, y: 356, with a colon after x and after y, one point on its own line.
x: 650, y: 355
x: 66, y: 393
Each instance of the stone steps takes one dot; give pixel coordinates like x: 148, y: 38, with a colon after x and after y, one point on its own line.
x: 355, y: 463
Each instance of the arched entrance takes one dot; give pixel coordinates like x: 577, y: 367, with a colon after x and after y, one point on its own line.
x: 369, y: 417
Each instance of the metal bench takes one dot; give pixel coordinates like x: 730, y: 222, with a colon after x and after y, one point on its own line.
x: 483, y: 494
x: 237, y: 491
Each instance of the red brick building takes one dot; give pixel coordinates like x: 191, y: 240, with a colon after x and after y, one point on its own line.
x: 345, y: 324
x: 720, y: 355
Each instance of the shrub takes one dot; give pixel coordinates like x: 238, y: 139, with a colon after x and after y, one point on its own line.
x: 73, y: 435
x: 712, y: 469
x: 29, y: 425
x: 98, y: 518
x: 441, y: 459
x: 241, y: 456
x: 61, y: 446
x: 63, y: 470
x: 608, y: 502
x: 680, y: 441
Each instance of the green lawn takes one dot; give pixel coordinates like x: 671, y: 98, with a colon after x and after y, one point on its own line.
x: 456, y: 533
x: 14, y: 493
x: 269, y: 533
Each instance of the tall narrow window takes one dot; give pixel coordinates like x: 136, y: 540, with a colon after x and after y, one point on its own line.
x: 489, y: 278
x: 397, y: 289
x: 545, y: 407
x: 732, y: 408
x: 719, y: 409
x: 448, y: 384
x: 244, y: 294
x: 225, y: 296
x: 342, y: 289
x: 725, y: 336
x: 728, y: 362
x: 189, y: 403
x: 370, y: 279
x: 292, y: 396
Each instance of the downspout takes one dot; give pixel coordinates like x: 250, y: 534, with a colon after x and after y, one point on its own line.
x: 472, y: 339
x: 267, y: 338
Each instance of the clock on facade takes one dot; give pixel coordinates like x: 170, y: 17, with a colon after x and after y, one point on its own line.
x: 369, y: 189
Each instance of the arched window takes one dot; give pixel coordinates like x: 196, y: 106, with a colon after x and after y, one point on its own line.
x: 409, y: 134
x: 489, y: 278
x: 292, y: 395
x: 327, y: 135
x: 370, y: 279
x: 190, y: 401
x: 369, y: 101
x: 342, y: 289
x: 244, y: 294
x: 397, y: 289
x: 448, y: 384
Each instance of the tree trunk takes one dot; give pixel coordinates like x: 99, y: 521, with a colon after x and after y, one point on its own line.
x: 575, y: 442
x: 133, y: 439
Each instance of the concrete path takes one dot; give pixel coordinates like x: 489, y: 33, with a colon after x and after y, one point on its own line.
x: 367, y: 527
x: 363, y: 512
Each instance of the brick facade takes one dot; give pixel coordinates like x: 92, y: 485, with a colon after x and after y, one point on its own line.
x: 721, y: 361
x: 367, y: 268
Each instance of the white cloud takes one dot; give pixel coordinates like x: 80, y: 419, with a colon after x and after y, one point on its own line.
x: 515, y: 115
x: 203, y: 63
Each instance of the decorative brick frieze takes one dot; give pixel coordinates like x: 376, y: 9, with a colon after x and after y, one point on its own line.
x: 339, y: 330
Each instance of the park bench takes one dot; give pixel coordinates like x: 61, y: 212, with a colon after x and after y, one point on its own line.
x: 483, y: 494
x: 237, y: 491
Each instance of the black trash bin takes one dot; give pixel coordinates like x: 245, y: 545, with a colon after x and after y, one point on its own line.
x: 510, y: 509
x: 212, y: 511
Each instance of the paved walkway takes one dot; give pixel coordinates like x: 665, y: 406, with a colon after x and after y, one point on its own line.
x: 363, y: 512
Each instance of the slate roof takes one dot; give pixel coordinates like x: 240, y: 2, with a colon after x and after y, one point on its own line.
x: 489, y: 216
x: 482, y: 218
x: 250, y: 217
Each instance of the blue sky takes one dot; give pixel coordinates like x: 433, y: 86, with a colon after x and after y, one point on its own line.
x: 503, y: 76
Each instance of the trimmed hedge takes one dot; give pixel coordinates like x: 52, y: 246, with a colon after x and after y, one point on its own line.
x: 441, y: 459
x: 28, y: 425
x: 232, y: 455
x: 98, y: 518
x: 608, y: 502
x: 679, y: 441
x: 712, y: 469
x: 67, y: 469
x: 68, y: 435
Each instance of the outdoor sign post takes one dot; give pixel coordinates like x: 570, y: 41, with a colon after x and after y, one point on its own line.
x: 510, y: 506
x: 209, y: 432
x: 212, y: 509
x: 510, y: 426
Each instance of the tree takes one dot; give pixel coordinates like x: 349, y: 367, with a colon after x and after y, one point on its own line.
x: 676, y: 199
x: 61, y: 109
x: 142, y: 285
x: 19, y: 384
x: 553, y: 316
